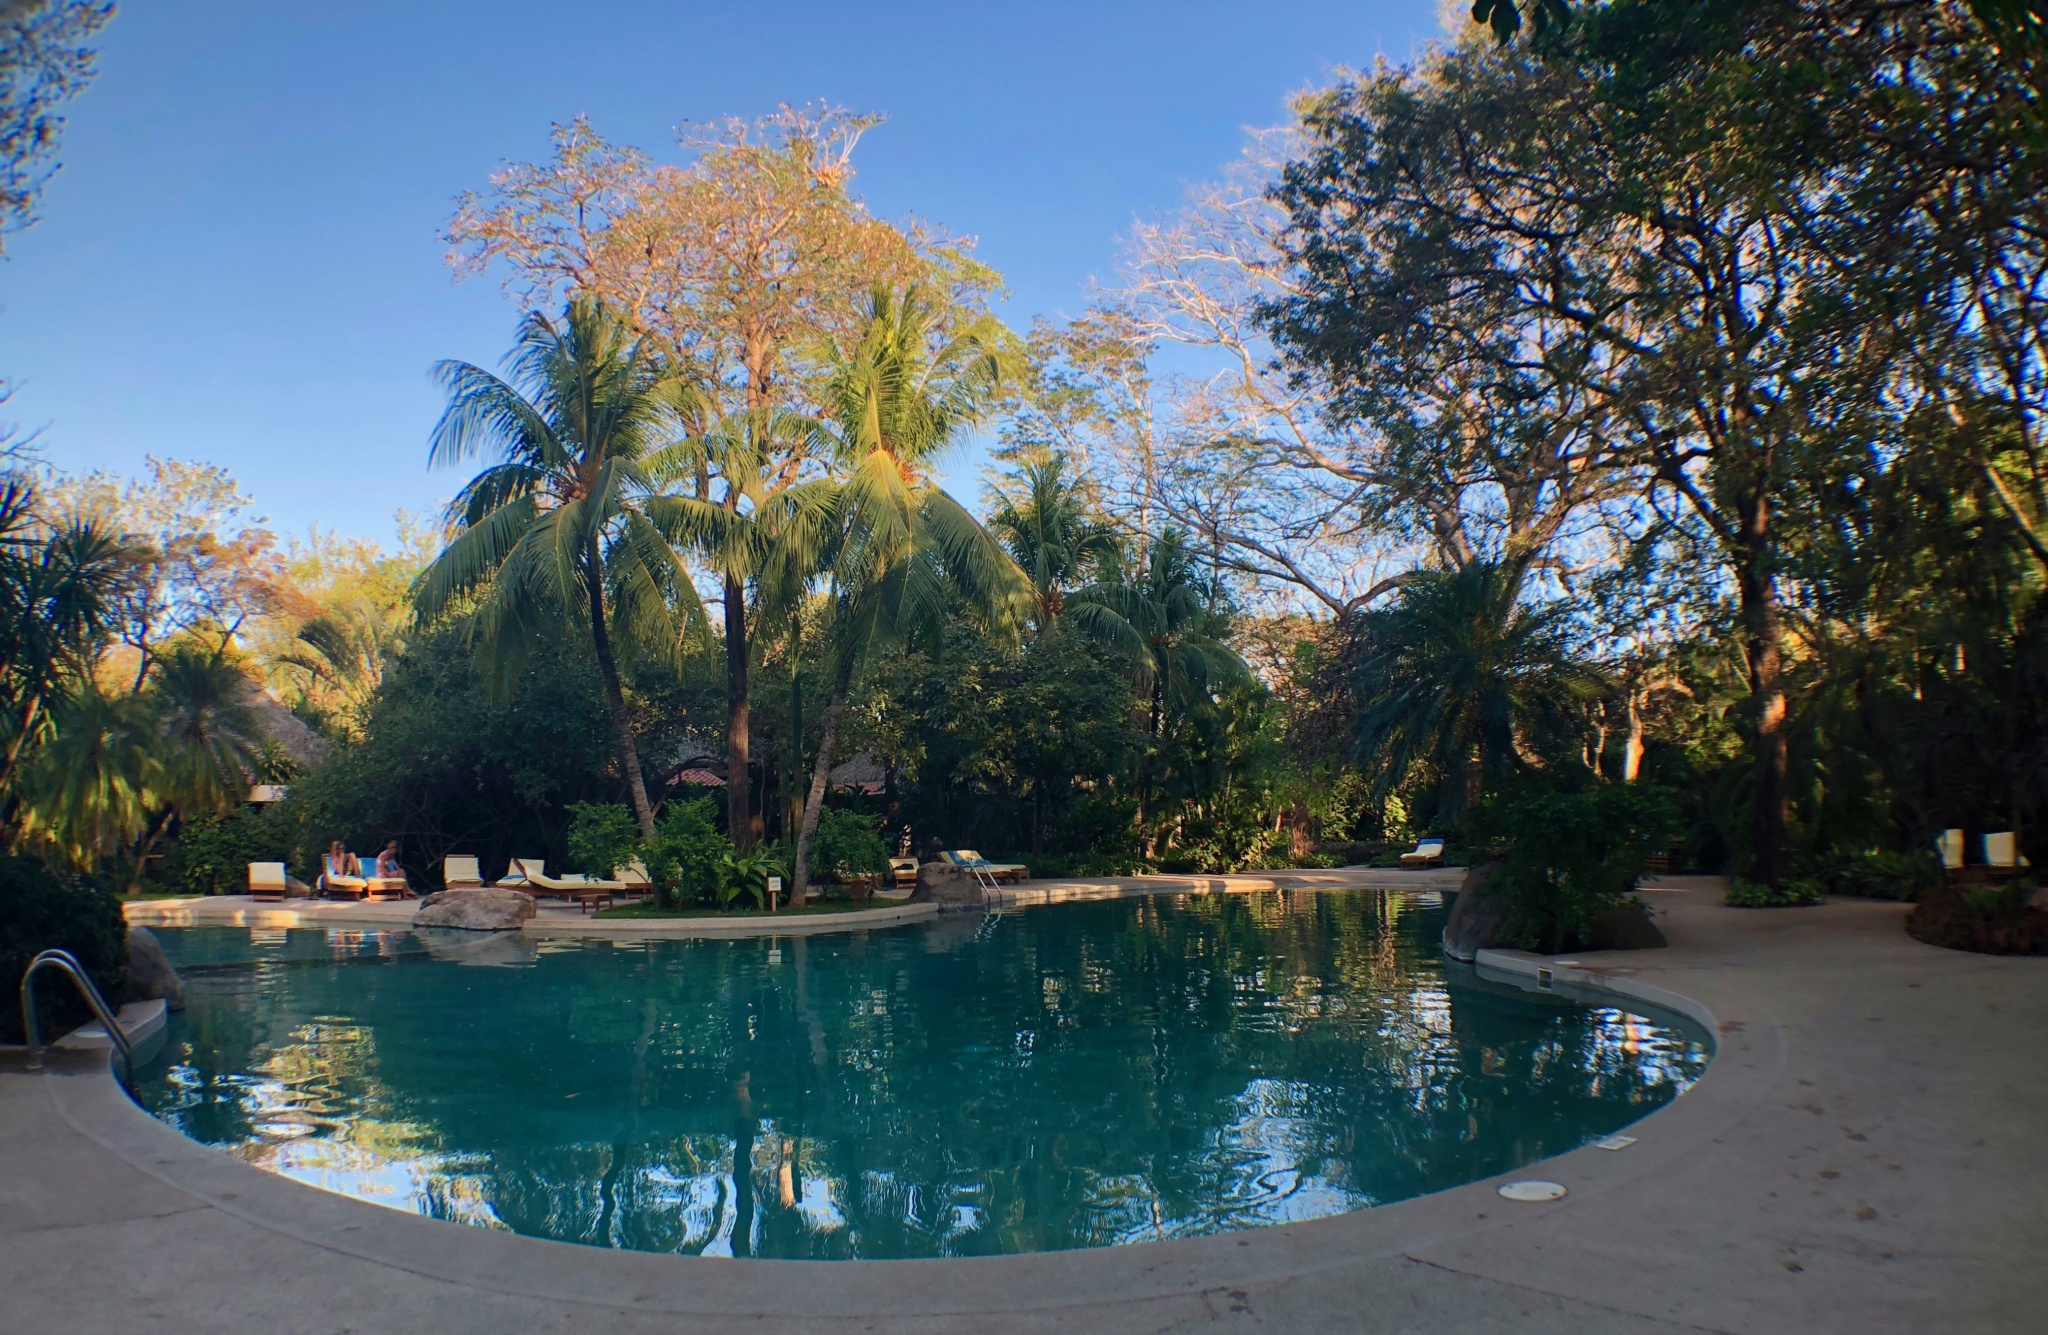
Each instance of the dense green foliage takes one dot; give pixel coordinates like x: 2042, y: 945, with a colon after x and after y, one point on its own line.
x: 1572, y: 857
x: 847, y: 844
x: 40, y: 910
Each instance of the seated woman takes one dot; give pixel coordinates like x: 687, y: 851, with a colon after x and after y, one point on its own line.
x: 342, y: 861
x: 388, y: 869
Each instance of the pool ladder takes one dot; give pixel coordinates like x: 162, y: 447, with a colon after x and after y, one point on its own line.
x: 67, y: 962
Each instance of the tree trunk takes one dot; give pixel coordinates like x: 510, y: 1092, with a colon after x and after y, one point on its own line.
x: 1763, y: 657
x: 738, y: 792
x: 615, y: 701
x: 821, y: 774
x: 1632, y: 748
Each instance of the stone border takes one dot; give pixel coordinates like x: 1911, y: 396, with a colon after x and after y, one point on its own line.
x: 1746, y: 1067
x: 550, y: 923
x: 691, y: 929
x: 558, y: 922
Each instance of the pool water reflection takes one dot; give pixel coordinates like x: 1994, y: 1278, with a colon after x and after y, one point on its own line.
x: 1072, y: 1076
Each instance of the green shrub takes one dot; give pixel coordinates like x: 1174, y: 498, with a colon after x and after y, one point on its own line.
x: 848, y: 844
x: 737, y: 875
x: 212, y: 853
x: 39, y: 911
x: 1790, y: 894
x: 1571, y: 857
x: 687, y: 852
x: 1895, y: 876
x: 1991, y: 919
x: 602, y: 837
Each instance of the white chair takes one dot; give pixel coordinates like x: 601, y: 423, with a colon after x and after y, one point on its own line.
x: 2002, y: 850
x: 1426, y: 853
x: 267, y: 880
x: 1950, y: 846
x: 461, y: 873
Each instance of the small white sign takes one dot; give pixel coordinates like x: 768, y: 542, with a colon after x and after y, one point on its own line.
x: 774, y: 885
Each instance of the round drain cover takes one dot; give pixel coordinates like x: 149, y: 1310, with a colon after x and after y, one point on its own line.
x: 1532, y: 1191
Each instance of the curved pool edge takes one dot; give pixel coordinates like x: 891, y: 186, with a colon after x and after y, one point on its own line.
x: 1194, y: 1269
x: 559, y: 921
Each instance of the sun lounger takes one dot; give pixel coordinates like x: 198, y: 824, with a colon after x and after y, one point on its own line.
x: 334, y: 885
x: 2002, y: 855
x: 903, y: 873
x: 581, y: 889
x: 634, y: 877
x: 1950, y: 846
x: 969, y: 860
x: 460, y: 873
x: 1426, y: 853
x: 267, y: 880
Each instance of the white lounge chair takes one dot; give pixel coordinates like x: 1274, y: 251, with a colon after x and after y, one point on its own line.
x: 1426, y: 853
x: 267, y: 880
x: 461, y: 873
x: 584, y: 891
x: 335, y: 885
x: 968, y: 860
x: 2002, y: 851
x: 1950, y: 846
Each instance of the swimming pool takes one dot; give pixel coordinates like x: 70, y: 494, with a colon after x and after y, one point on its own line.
x: 1070, y: 1076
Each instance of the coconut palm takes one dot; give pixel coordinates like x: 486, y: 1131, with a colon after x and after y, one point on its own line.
x: 1052, y: 532
x: 208, y: 740
x: 765, y: 536
x: 900, y: 545
x: 1161, y: 618
x: 1460, y: 675
x: 554, y: 533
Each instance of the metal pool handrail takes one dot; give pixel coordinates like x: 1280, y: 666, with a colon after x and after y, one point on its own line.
x: 65, y: 960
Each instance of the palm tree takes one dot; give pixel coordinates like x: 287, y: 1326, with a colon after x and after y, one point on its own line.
x: 1162, y: 619
x: 555, y: 533
x: 342, y: 653
x: 901, y: 546
x: 767, y: 533
x: 58, y: 588
x: 92, y: 787
x: 209, y: 742
x: 1460, y: 675
x: 1052, y: 532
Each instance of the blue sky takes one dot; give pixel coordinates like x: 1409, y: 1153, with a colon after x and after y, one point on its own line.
x: 239, y: 262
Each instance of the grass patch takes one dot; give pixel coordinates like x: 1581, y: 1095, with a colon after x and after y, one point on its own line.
x: 647, y: 908
x: 160, y: 894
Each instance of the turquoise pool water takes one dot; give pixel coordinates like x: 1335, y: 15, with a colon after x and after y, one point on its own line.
x: 1071, y: 1076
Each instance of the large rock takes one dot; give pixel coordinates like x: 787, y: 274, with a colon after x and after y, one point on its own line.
x: 487, y: 910
x: 150, y: 975
x: 1477, y: 917
x: 947, y: 886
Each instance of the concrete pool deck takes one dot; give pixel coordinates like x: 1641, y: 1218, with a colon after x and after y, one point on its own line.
x: 556, y: 919
x: 1865, y: 1154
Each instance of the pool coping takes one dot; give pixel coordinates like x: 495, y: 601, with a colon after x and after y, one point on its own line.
x: 1741, y: 1073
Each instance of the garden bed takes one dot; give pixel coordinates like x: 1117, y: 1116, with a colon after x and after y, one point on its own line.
x: 1985, y: 920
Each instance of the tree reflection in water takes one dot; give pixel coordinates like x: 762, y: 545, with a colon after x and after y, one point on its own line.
x: 1064, y: 1077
